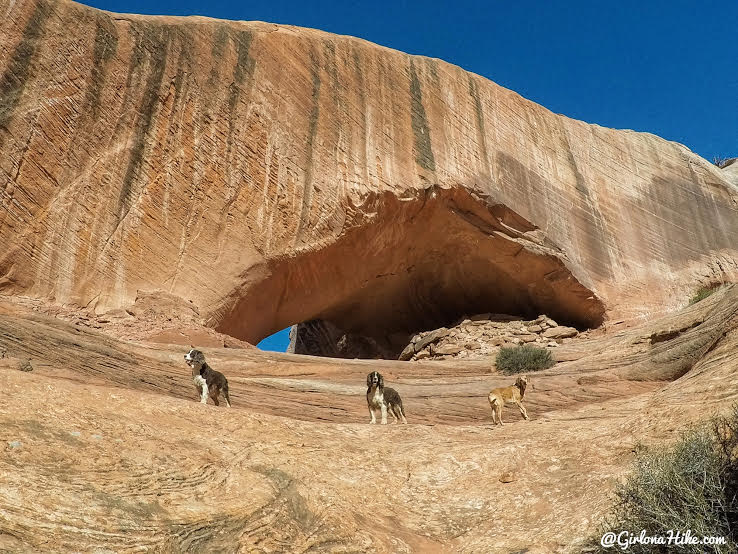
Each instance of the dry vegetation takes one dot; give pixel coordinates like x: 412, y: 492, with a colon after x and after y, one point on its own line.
x: 520, y: 359
x: 692, y: 485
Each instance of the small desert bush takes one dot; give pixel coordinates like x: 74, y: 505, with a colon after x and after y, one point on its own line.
x: 519, y: 359
x: 701, y: 294
x: 692, y: 485
x: 722, y: 162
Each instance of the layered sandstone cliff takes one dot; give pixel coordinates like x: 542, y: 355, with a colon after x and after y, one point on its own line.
x: 273, y: 175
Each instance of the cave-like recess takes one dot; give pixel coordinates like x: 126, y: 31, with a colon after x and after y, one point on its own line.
x: 414, y: 264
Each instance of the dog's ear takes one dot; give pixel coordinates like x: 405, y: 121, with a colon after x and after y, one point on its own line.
x: 381, y: 381
x: 369, y: 380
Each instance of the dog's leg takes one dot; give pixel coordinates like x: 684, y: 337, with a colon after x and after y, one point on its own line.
x: 384, y: 413
x: 523, y: 412
x: 371, y: 413
x: 391, y: 409
x: 402, y: 413
x: 498, y: 409
x: 227, y: 397
x: 198, y: 388
x: 214, y: 392
x: 398, y: 414
x: 204, y: 395
x: 494, y: 411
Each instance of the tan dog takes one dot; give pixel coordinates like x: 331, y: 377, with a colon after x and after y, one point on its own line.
x: 505, y: 395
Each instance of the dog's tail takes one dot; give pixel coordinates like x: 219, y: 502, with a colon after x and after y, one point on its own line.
x: 225, y: 393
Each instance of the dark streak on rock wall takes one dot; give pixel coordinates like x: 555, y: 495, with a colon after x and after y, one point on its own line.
x: 421, y: 129
x: 15, y: 78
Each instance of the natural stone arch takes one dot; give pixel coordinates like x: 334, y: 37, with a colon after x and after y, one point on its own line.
x: 417, y: 263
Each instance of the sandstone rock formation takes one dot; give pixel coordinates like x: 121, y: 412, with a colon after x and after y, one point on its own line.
x: 154, y: 317
x: 168, y: 180
x: 730, y: 171
x: 105, y: 448
x: 273, y: 175
x: 481, y: 337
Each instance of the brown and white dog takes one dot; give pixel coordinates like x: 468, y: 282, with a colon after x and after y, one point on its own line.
x: 208, y: 382
x: 505, y: 395
x: 379, y: 397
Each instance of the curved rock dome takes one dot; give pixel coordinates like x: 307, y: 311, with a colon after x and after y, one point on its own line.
x: 274, y: 175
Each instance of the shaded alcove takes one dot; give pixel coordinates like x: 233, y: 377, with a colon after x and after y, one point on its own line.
x: 404, y: 265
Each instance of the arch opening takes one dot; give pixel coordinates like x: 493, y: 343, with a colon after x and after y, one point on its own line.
x: 405, y: 265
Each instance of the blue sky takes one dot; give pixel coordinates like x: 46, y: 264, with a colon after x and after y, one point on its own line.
x: 662, y: 66
x: 277, y: 342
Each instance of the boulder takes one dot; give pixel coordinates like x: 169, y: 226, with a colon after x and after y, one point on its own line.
x: 407, y: 353
x: 481, y: 317
x: 445, y: 350
x: 560, y: 332
x: 430, y: 338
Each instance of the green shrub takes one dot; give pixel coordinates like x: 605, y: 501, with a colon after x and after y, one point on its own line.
x: 519, y: 359
x: 701, y: 294
x: 692, y: 485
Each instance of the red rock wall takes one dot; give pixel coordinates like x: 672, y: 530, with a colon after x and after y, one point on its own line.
x: 205, y: 157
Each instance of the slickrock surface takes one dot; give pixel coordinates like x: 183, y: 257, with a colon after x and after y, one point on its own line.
x: 106, y: 449
x: 273, y: 175
x: 155, y: 316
